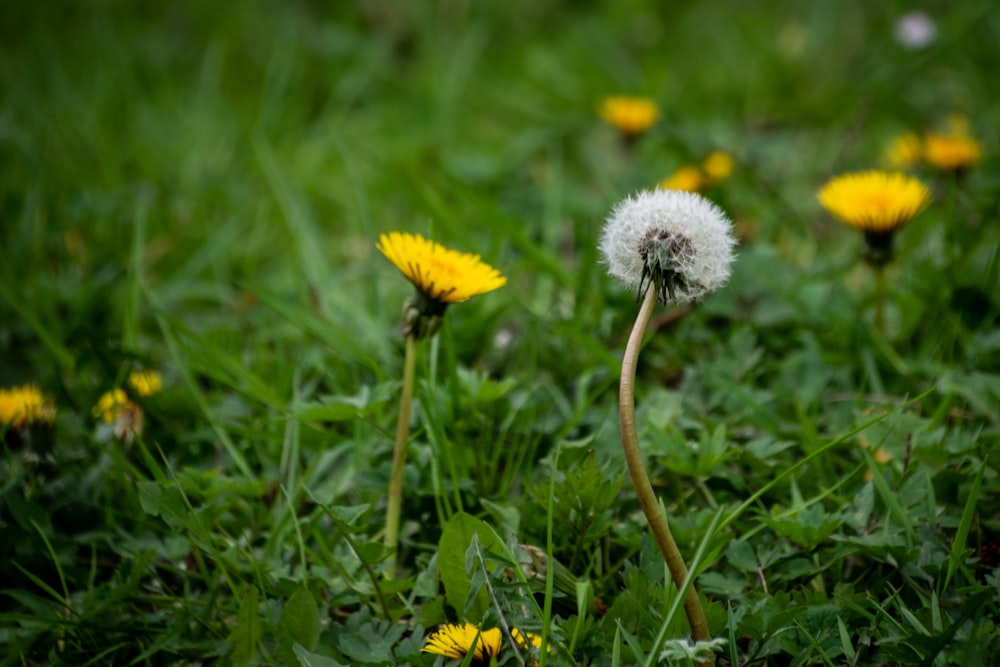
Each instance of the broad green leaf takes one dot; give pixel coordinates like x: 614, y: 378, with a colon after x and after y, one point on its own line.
x: 165, y: 502
x: 455, y: 541
x: 300, y: 618
x: 247, y: 632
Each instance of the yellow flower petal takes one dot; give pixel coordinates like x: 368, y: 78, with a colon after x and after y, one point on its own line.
x: 874, y: 201
x: 23, y: 406
x: 443, y: 275
x: 111, y: 404
x: 455, y: 641
x: 951, y: 152
x: 145, y: 383
x: 629, y: 115
x: 687, y: 178
x: 718, y: 165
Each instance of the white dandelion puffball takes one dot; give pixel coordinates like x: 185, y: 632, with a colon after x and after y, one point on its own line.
x: 677, y: 241
x: 915, y: 30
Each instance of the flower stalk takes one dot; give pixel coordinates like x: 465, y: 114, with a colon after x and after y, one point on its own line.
x: 640, y: 479
x: 395, y: 501
x: 441, y: 277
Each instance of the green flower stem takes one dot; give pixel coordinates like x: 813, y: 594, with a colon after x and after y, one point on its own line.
x: 394, y: 506
x: 881, y: 293
x: 640, y: 479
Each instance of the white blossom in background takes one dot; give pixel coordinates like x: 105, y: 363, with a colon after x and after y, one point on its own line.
x: 915, y: 30
x: 678, y: 241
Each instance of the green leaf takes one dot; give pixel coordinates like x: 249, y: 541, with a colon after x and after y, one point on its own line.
x: 247, y: 632
x: 309, y: 659
x: 962, y: 535
x: 455, y: 541
x: 888, y: 496
x: 166, y: 502
x: 347, y: 518
x: 740, y: 554
x: 845, y: 639
x: 301, y: 618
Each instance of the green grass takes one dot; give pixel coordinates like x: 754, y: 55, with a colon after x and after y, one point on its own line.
x: 197, y: 188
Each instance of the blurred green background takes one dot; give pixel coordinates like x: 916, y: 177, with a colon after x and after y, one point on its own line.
x: 197, y: 187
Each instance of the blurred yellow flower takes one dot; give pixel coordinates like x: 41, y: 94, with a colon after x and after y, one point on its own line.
x: 874, y: 201
x: 24, y: 406
x: 904, y: 151
x: 455, y: 641
x: 718, y: 165
x: 442, y: 275
x: 111, y: 403
x: 145, y: 383
x: 114, y: 407
x: 951, y: 152
x: 526, y: 639
x: 687, y: 178
x: 629, y: 115
x: 715, y: 168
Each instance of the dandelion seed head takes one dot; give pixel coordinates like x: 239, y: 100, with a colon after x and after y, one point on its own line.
x: 679, y: 241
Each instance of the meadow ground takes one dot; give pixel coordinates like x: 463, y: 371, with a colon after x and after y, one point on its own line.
x: 197, y: 188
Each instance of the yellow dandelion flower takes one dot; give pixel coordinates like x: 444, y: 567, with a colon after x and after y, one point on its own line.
x: 718, y: 165
x: 115, y: 408
x: 442, y: 275
x: 526, y: 639
x: 951, y: 152
x: 874, y: 201
x: 687, y: 178
x: 629, y: 115
x: 24, y: 406
x: 904, y: 151
x: 145, y: 383
x: 455, y: 641
x: 111, y: 404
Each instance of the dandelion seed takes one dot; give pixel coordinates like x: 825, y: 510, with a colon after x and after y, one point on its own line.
x: 24, y: 406
x: 632, y: 116
x: 678, y: 241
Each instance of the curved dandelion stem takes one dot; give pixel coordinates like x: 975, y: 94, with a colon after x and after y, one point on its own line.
x: 395, y: 501
x: 640, y: 479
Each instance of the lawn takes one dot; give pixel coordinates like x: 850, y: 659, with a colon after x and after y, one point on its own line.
x: 204, y: 354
